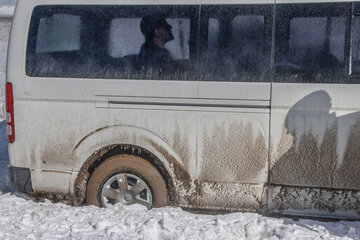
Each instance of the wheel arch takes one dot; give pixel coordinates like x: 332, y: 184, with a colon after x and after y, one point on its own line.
x: 109, y: 141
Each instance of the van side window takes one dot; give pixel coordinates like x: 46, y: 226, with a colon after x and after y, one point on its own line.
x: 355, y: 46
x: 60, y: 32
x: 119, y: 42
x: 310, y: 43
x: 213, y: 38
x: 236, y: 43
x: 126, y: 41
x: 58, y: 42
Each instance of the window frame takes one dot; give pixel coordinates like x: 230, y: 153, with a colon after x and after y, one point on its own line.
x: 354, y: 77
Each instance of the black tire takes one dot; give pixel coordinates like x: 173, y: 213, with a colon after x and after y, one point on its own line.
x: 127, y: 164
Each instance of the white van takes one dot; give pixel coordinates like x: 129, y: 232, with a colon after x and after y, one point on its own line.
x: 216, y: 104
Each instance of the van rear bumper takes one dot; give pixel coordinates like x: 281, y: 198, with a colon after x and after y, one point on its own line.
x: 20, y: 179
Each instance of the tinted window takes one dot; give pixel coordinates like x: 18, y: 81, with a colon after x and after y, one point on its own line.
x: 126, y: 41
x: 235, y: 43
x: 310, y: 43
x: 60, y: 32
x: 355, y: 45
x: 134, y: 42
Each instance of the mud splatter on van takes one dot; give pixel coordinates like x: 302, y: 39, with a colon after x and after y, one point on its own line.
x: 240, y: 153
x: 181, y: 146
x: 309, y: 165
x: 347, y: 175
x: 287, y: 199
x: 230, y: 196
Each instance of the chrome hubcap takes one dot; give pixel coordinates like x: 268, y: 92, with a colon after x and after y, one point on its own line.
x: 126, y: 189
x: 127, y: 197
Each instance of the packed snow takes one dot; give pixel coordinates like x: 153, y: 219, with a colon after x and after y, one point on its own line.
x: 21, y: 217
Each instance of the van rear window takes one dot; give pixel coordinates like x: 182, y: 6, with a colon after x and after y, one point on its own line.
x: 60, y: 32
x: 119, y: 42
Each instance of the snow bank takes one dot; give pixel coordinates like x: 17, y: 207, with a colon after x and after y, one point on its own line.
x: 22, y: 218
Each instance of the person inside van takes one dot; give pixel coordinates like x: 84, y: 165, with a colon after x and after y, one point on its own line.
x: 153, y: 54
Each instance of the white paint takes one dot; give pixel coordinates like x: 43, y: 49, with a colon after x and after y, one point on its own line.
x: 236, y: 90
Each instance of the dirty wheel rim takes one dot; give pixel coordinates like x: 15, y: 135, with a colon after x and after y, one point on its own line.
x: 126, y: 189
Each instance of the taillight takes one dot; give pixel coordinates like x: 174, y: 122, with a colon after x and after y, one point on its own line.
x: 10, y: 113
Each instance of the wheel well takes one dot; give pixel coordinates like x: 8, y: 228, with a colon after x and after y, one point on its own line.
x: 118, y: 149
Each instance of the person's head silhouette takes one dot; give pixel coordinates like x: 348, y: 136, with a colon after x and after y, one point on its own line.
x: 156, y: 29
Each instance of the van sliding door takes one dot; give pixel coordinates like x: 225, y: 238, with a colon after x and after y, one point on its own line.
x: 233, y: 130
x: 315, y: 130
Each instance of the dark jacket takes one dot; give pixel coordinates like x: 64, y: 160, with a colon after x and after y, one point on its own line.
x: 154, y: 57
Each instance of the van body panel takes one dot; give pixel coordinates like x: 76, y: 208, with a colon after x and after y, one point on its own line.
x: 239, y: 90
x: 236, y: 143
x: 50, y: 181
x: 230, y: 141
x: 16, y: 60
x: 177, y: 145
x: 314, y: 111
x: 314, y: 201
x: 231, y: 196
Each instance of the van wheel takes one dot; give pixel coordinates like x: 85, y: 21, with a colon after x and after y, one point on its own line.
x: 127, y: 180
